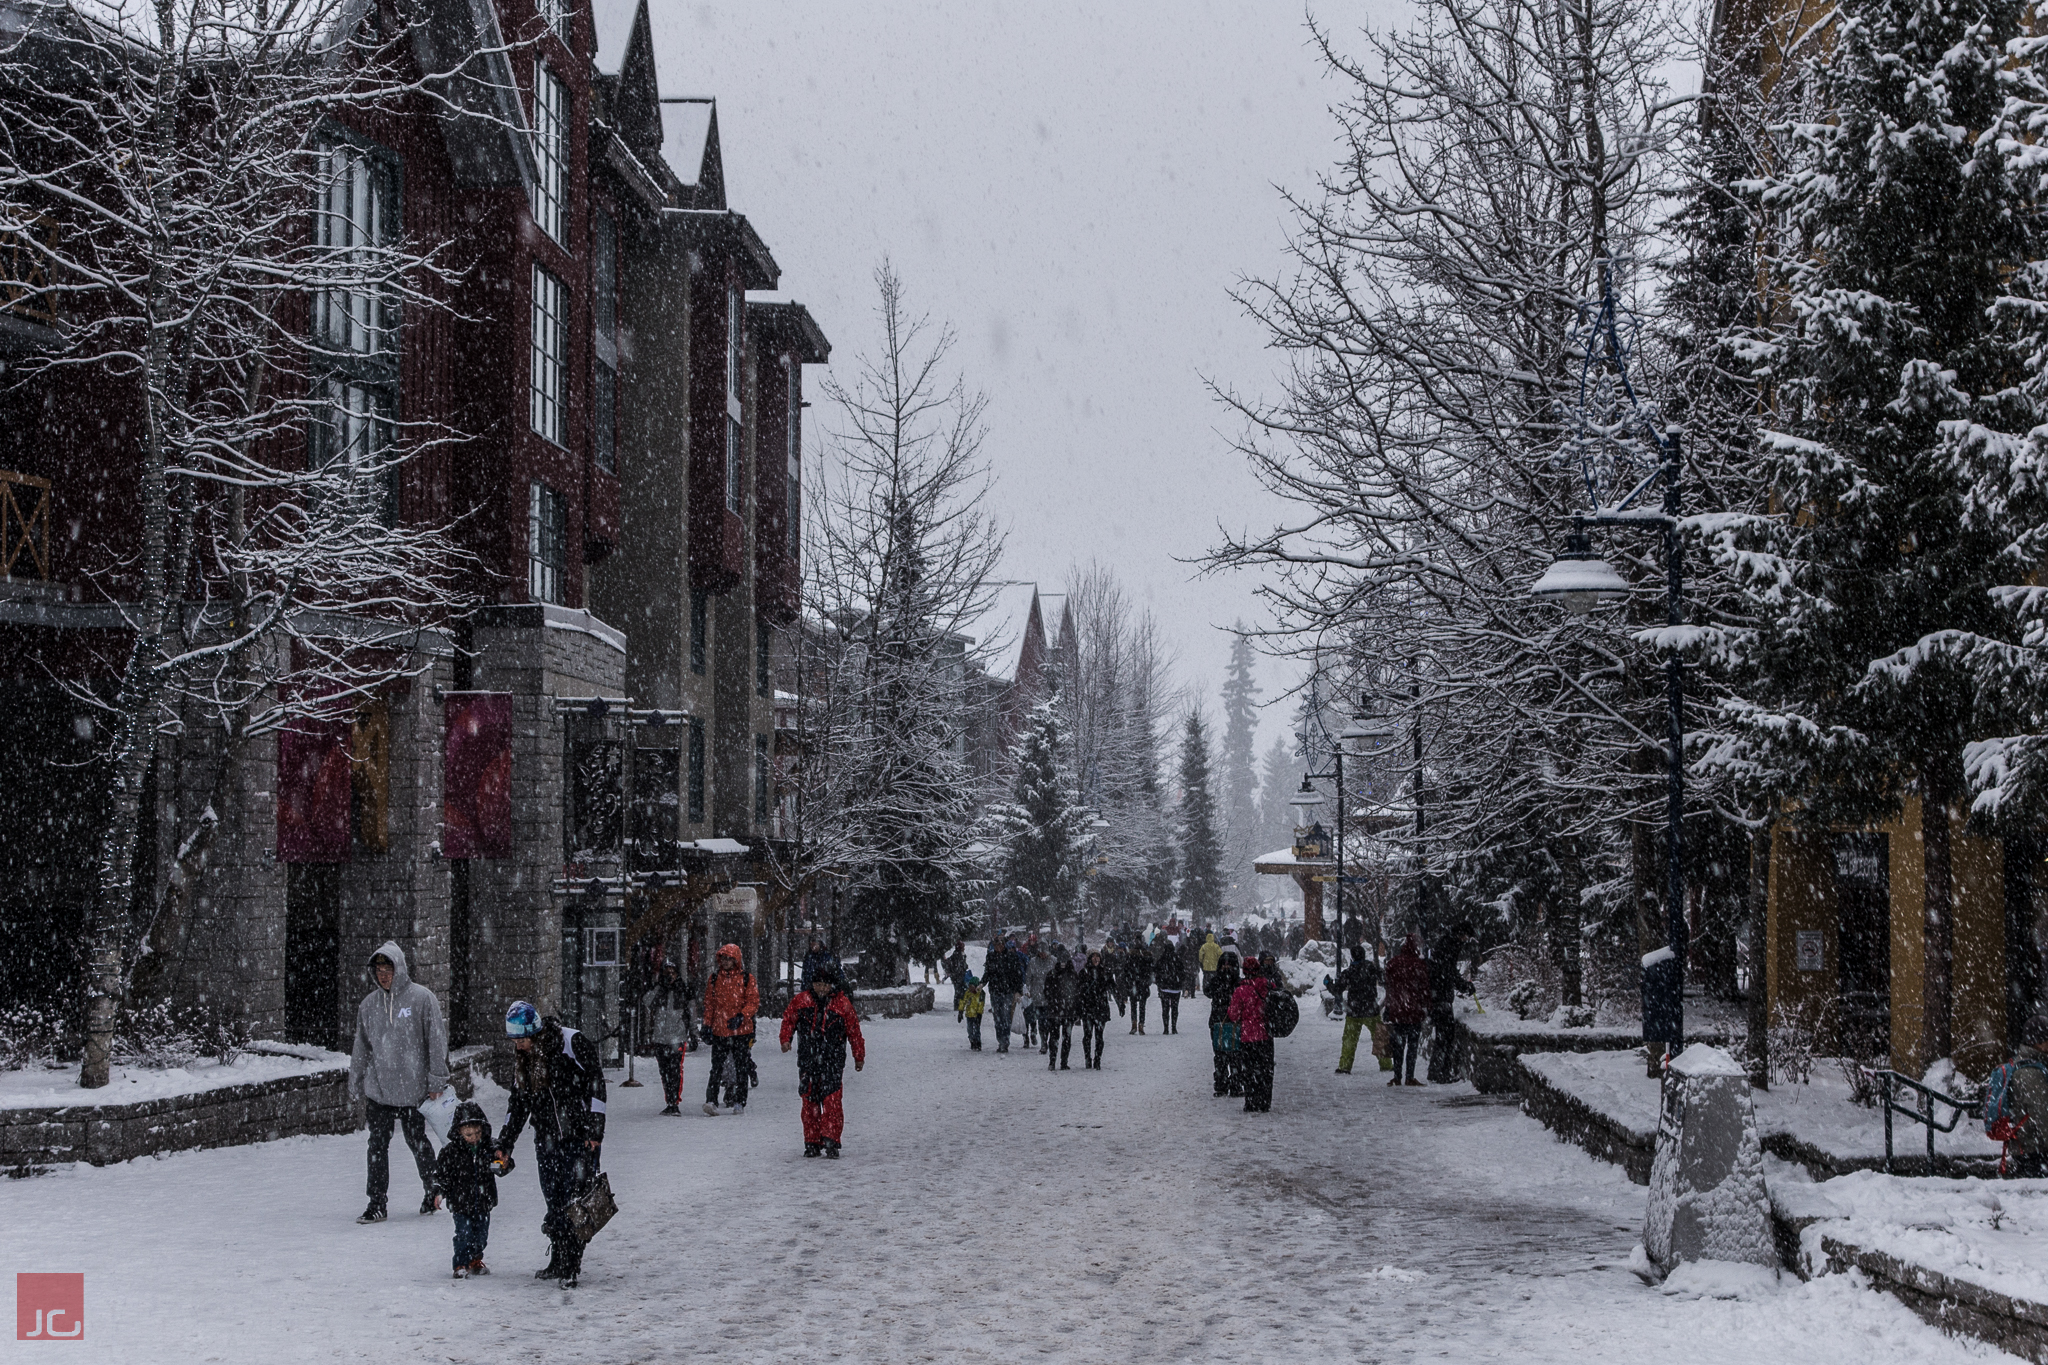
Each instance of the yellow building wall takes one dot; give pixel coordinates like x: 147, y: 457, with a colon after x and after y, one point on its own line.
x: 1909, y: 909
x: 1978, y: 1013
x: 1802, y: 896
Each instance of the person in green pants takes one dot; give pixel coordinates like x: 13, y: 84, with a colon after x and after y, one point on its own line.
x: 1360, y: 986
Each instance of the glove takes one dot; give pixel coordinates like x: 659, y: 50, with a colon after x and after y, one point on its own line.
x: 736, y: 1023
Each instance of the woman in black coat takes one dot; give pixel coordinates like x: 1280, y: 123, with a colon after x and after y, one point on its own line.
x: 1056, y: 1012
x: 1222, y: 1033
x: 1091, y: 1002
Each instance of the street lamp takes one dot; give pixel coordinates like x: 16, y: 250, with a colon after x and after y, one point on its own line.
x: 1360, y: 739
x: 1581, y: 581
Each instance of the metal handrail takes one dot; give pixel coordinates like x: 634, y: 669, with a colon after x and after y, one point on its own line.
x: 1888, y: 1082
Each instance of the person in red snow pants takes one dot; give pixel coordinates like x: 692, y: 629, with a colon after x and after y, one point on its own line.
x: 822, y: 1022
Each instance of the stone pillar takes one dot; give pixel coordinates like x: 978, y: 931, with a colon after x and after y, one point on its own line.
x: 1707, y: 1200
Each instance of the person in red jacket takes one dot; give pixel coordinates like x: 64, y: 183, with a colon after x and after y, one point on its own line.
x: 1254, y: 1041
x: 1407, y: 1006
x: 731, y: 1001
x: 822, y: 1021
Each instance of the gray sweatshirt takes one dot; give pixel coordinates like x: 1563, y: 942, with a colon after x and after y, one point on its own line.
x: 401, y: 1049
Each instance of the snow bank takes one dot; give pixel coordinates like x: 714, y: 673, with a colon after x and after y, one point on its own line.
x: 47, y: 1089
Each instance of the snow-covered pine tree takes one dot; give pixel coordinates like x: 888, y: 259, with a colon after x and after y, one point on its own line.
x: 1039, y: 829
x: 1201, y: 852
x: 1905, y: 209
x: 1237, y: 779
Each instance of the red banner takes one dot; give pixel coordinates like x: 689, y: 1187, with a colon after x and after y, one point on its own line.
x: 313, y: 791
x: 476, y: 814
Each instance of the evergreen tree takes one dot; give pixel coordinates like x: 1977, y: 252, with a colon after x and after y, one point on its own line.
x: 1039, y: 829
x: 1239, y: 784
x: 1201, y: 854
x: 1905, y: 210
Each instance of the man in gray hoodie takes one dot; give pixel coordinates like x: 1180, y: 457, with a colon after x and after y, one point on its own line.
x: 400, y: 1060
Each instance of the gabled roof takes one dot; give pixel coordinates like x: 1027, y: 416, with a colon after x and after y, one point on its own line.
x: 612, y: 23
x: 689, y: 144
x: 724, y: 233
x: 463, y: 55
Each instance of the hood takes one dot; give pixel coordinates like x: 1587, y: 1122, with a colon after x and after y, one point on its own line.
x: 730, y: 951
x: 401, y: 979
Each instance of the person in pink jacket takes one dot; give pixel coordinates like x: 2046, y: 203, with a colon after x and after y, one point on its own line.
x: 1255, y: 1043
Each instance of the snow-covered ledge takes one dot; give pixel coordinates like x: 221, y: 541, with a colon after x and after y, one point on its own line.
x: 274, y: 1090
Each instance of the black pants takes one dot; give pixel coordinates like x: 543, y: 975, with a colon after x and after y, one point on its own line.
x: 1226, y: 1066
x: 1138, y: 1002
x: 736, y: 1048
x: 671, y: 1060
x: 1257, y: 1061
x: 1091, y: 1041
x: 1407, y: 1043
x: 1444, y: 1061
x: 1059, y: 1045
x: 1169, y: 1011
x: 413, y: 1124
x: 566, y: 1170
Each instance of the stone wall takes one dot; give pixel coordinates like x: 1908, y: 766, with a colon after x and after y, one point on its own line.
x: 101, y: 1134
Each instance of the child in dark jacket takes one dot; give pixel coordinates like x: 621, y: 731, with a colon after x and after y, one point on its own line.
x: 468, y: 1180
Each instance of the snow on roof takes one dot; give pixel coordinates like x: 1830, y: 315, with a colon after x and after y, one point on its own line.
x: 612, y: 20
x: 683, y: 130
x: 717, y: 846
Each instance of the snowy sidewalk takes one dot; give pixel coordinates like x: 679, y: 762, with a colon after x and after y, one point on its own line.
x: 986, y: 1209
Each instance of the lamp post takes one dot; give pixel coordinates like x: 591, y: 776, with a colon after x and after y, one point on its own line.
x: 1581, y: 581
x: 1366, y: 728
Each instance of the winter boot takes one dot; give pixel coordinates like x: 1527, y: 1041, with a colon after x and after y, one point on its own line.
x: 462, y: 1272
x: 813, y: 1148
x: 672, y: 1110
x: 553, y: 1269
x: 477, y: 1267
x: 710, y: 1110
x: 374, y: 1213
x: 831, y: 1150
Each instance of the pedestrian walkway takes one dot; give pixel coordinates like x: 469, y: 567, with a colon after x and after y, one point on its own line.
x: 985, y: 1209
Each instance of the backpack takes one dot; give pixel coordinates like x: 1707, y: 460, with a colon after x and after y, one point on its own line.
x: 1283, y: 1012
x: 2002, y: 1115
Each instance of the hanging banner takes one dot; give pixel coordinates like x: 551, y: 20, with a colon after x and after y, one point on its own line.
x: 313, y: 791
x: 476, y: 813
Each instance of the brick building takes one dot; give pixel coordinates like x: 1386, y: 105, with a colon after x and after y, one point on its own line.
x: 597, y: 736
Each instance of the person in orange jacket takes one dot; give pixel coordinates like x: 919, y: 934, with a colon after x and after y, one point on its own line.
x: 730, y: 1003
x: 823, y: 1022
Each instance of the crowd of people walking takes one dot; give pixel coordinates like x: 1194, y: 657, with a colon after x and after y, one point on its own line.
x: 1040, y: 988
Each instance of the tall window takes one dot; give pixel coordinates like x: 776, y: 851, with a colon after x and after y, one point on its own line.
x: 550, y: 355
x: 355, y: 224
x: 735, y: 321
x: 696, y: 787
x: 355, y: 322
x: 604, y: 290
x: 762, y: 789
x: 547, y: 538
x: 555, y: 14
x: 700, y: 612
x: 794, y: 488
x: 550, y: 150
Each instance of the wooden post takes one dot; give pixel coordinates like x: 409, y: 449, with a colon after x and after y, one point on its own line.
x: 1311, y: 905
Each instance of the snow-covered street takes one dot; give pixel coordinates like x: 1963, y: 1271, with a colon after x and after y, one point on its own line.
x: 985, y: 1209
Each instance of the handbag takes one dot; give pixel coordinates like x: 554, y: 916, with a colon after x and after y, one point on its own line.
x: 589, y: 1211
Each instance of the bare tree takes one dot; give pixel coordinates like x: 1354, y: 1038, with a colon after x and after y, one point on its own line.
x: 217, y: 247
x: 900, y: 554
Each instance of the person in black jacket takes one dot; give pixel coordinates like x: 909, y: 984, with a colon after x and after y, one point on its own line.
x: 1166, y: 968
x: 1091, y: 1002
x: 1137, y: 981
x: 1219, y: 985
x: 1445, y: 985
x: 1056, y: 1011
x: 1359, y: 984
x: 558, y: 1082
x: 1002, y: 972
x: 464, y: 1173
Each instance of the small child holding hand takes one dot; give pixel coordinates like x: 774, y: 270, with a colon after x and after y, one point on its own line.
x: 468, y: 1180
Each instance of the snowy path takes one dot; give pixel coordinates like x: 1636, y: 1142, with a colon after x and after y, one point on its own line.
x: 985, y: 1210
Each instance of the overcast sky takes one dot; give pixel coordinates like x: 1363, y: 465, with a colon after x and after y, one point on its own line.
x: 1075, y: 188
